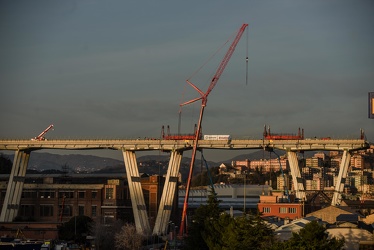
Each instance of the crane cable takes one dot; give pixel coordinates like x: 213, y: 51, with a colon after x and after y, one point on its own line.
x: 210, y: 58
x: 195, y: 73
x: 208, y: 172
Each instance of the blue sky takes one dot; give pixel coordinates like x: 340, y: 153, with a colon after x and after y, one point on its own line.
x: 117, y: 69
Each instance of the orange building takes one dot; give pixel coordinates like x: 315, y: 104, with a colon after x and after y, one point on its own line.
x: 278, y: 206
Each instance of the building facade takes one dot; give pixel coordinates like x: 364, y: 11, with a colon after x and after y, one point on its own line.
x: 277, y: 205
x: 104, y: 198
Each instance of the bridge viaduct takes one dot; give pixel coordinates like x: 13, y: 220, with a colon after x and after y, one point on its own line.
x: 23, y: 148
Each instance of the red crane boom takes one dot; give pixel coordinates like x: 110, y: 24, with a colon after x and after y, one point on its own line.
x: 40, y: 137
x: 219, y: 71
x: 204, y: 98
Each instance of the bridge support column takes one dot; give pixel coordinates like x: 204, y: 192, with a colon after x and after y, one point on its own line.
x: 136, y: 193
x: 296, y: 176
x: 15, y: 186
x: 168, y: 194
x: 339, y: 187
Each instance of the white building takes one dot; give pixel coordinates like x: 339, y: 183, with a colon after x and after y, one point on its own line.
x: 229, y: 195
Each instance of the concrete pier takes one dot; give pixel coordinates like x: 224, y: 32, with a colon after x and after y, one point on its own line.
x: 23, y: 148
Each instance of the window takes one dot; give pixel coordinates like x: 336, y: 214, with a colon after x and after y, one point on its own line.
x: 46, y: 210
x: 94, y: 194
x: 108, y: 218
x: 283, y: 210
x: 93, y: 211
x: 68, y: 210
x: 27, y: 210
x: 266, y: 210
x: 292, y: 210
x: 81, y: 194
x: 66, y: 194
x: 109, y: 193
x: 29, y: 194
x: 46, y: 194
x: 81, y: 210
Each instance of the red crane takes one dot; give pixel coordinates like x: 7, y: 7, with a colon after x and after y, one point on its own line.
x: 62, y: 207
x: 40, y: 137
x: 204, y: 98
x: 270, y: 136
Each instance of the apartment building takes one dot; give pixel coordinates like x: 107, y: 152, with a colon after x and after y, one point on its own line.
x: 314, y: 162
x: 284, y: 182
x: 277, y: 205
x: 357, y: 161
x: 264, y: 165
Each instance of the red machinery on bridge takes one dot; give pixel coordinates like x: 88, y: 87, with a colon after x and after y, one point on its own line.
x: 270, y: 136
x: 204, y: 99
x: 169, y: 136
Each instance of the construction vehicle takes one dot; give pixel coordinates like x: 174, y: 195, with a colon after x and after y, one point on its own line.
x: 204, y: 99
x: 41, y: 137
x: 217, y: 137
x: 269, y: 136
x: 20, y: 235
x: 178, y: 136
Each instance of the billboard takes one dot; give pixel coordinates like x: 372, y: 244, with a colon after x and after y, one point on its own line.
x: 371, y: 105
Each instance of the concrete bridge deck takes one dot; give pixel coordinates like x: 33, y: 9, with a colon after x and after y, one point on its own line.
x: 23, y: 149
x: 171, y: 145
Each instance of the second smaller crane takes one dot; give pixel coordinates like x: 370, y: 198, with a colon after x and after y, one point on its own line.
x: 41, y: 137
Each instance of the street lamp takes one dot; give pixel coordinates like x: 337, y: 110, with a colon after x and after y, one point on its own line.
x: 175, y: 237
x: 173, y: 231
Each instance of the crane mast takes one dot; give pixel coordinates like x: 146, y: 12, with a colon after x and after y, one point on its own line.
x: 204, y: 98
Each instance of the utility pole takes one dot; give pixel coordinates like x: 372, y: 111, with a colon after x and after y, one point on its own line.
x: 244, y: 191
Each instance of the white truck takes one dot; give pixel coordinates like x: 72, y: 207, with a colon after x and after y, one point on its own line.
x: 217, y: 137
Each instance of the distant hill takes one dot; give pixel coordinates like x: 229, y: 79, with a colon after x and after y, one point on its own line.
x: 151, y: 164
x: 261, y: 154
x: 43, y: 161
x: 90, y: 163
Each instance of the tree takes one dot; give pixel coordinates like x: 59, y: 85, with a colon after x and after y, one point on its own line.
x: 202, y: 178
x: 128, y: 238
x: 77, y: 228
x: 214, y: 229
x: 312, y: 236
x: 214, y: 237
x: 247, y: 232
x: 203, y: 228
x: 104, y: 234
